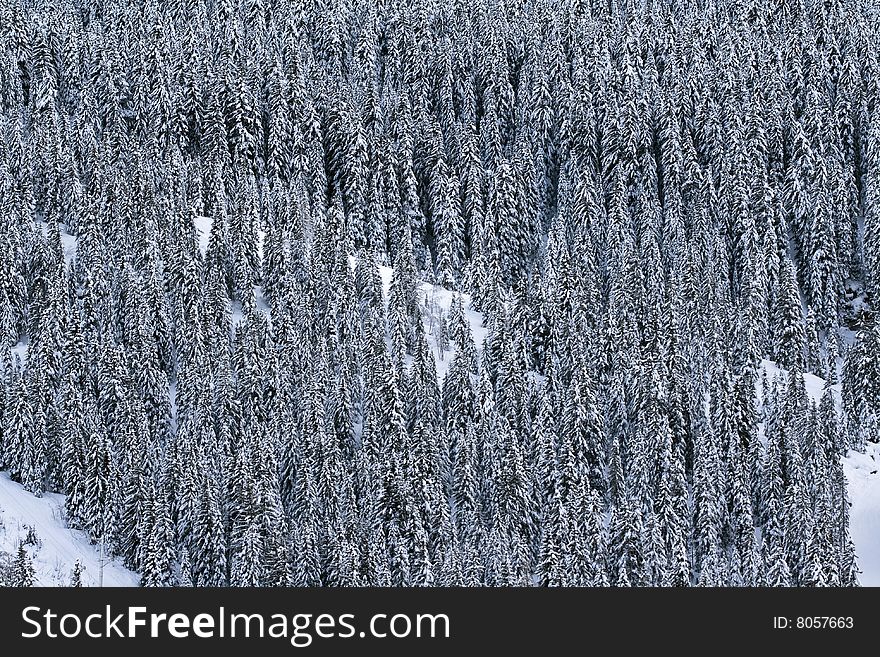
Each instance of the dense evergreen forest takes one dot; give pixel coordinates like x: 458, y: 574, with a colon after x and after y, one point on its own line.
x: 639, y: 203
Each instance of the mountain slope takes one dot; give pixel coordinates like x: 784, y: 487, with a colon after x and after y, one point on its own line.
x: 61, y: 547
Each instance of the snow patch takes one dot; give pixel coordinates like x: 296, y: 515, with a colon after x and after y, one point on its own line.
x: 863, y: 482
x: 68, y: 241
x: 436, y: 302
x: 814, y: 385
x: 68, y: 245
x: 20, y: 349
x: 203, y: 230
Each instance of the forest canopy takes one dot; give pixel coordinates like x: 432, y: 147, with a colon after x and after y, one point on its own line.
x: 641, y: 202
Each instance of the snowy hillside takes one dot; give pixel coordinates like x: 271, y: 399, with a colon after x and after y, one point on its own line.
x: 58, y: 548
x: 644, y: 200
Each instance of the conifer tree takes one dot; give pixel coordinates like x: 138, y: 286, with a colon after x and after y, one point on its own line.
x: 23, y: 573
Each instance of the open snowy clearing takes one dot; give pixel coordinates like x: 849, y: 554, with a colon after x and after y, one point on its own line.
x: 61, y: 547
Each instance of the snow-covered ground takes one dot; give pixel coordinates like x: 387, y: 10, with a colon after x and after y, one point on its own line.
x: 203, y: 225
x: 436, y: 302
x: 68, y: 241
x: 814, y: 385
x: 68, y: 244
x: 203, y: 230
x: 20, y: 350
x: 864, y: 515
x: 60, y: 547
